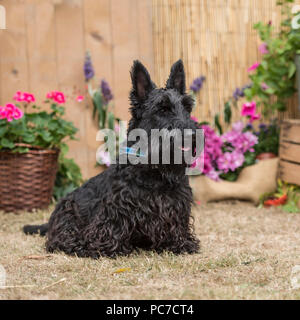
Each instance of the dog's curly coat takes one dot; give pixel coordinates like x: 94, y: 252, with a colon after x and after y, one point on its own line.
x: 132, y: 206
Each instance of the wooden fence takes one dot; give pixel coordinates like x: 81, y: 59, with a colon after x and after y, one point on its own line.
x: 44, y: 44
x: 43, y: 49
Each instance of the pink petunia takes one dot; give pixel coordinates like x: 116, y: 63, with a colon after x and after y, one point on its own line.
x: 238, y: 126
x: 254, y: 66
x: 254, y: 117
x: 263, y: 48
x: 248, y: 108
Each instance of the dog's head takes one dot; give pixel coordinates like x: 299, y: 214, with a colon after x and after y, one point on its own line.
x: 168, y: 110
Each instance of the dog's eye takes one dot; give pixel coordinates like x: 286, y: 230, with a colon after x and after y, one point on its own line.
x: 165, y: 107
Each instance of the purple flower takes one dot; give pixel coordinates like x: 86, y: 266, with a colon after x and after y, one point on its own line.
x: 238, y: 93
x: 262, y: 126
x: 106, y: 91
x: 249, y: 126
x: 197, y: 84
x: 88, y: 68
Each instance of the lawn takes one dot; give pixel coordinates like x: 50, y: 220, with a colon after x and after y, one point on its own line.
x: 246, y: 253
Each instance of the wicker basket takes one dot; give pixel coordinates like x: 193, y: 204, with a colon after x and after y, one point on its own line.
x: 27, y: 179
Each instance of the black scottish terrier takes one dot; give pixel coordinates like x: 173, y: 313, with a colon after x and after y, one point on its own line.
x: 130, y: 207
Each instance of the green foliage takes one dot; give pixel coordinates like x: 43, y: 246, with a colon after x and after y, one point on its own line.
x: 268, y: 139
x: 218, y: 124
x: 277, y: 69
x: 42, y: 129
x: 68, y: 176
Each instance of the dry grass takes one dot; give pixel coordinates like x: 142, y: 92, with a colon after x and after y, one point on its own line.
x: 247, y: 253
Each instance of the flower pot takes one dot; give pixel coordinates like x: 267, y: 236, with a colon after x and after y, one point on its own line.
x: 266, y: 155
x: 252, y: 182
x: 298, y: 78
x: 27, y: 179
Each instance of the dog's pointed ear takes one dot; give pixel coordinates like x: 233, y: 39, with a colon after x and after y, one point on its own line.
x: 177, y: 77
x: 141, y: 82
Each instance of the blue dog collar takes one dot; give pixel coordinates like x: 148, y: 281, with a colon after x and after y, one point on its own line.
x: 131, y: 151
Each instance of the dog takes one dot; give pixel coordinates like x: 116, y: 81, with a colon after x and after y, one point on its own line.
x: 132, y: 207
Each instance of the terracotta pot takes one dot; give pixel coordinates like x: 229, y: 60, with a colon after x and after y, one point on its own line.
x: 252, y: 182
x: 266, y: 155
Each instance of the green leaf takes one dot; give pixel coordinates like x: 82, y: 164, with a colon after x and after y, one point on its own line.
x: 292, y: 69
x: 7, y: 144
x: 227, y: 112
x: 111, y: 121
x: 217, y: 123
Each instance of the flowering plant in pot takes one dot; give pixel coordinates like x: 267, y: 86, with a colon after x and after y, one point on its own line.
x: 30, y: 143
x: 230, y: 169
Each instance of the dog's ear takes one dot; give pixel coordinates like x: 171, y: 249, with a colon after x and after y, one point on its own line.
x: 141, y: 82
x: 177, y: 77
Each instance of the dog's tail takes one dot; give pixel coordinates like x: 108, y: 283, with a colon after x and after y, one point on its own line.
x: 37, y: 229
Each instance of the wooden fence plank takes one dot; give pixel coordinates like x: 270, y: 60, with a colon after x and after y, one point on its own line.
x: 14, y: 60
x: 41, y: 47
x: 98, y: 41
x: 125, y: 50
x: 70, y: 57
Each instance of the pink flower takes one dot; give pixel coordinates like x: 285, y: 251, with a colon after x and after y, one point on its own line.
x: 18, y: 114
x: 254, y: 117
x: 56, y: 96
x: 3, y: 112
x: 254, y: 66
x: 194, y: 118
x: 104, y: 157
x: 214, y: 175
x: 238, y: 126
x: 117, y: 128
x: 237, y: 159
x: 24, y: 97
x: 10, y: 112
x: 248, y: 109
x: 80, y: 98
x: 230, y: 161
x: 28, y: 97
x: 263, y: 48
x: 264, y: 86
x: 18, y: 96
